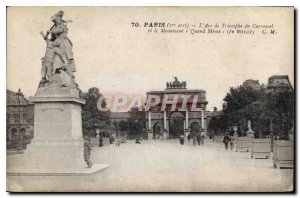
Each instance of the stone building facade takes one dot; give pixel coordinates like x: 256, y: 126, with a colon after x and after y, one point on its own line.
x: 279, y: 83
x: 209, y: 116
x: 19, y: 118
x: 276, y: 83
x: 254, y: 84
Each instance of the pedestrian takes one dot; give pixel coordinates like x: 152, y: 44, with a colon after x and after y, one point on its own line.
x: 117, y: 142
x: 231, y: 142
x: 100, y: 141
x: 181, y: 140
x: 87, y: 152
x: 226, y: 140
x: 198, y: 138
x: 111, y: 139
x: 137, y: 140
x: 194, y: 140
x: 189, y: 137
x: 202, y: 137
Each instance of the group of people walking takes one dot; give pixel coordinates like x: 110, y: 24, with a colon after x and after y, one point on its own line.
x: 198, y: 138
x: 228, y: 140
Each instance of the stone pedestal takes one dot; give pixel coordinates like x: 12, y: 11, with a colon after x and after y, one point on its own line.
x: 57, y: 142
x: 57, y: 146
x: 235, y: 135
x: 97, y: 133
x: 165, y: 134
x: 186, y: 133
x: 250, y: 134
x: 150, y: 134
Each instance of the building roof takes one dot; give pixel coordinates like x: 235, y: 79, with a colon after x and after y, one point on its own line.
x: 279, y: 77
x: 12, y: 98
x: 286, y: 84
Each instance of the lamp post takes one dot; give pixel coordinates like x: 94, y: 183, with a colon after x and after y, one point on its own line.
x: 136, y: 128
x: 19, y: 138
x: 271, y: 135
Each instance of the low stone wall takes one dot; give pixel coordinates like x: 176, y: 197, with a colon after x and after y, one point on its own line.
x: 218, y: 138
x: 283, y: 153
x: 260, y: 148
x: 123, y: 139
x: 243, y: 144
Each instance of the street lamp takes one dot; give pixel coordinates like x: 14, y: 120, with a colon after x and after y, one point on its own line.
x: 271, y: 135
x: 19, y: 138
x: 136, y: 128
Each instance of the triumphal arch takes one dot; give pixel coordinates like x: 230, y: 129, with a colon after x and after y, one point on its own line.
x: 176, y: 111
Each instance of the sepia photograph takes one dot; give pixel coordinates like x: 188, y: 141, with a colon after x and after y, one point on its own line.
x: 150, y: 99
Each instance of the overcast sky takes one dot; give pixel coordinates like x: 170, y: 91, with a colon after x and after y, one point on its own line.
x: 112, y: 55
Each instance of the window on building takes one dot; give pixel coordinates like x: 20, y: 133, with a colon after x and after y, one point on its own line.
x: 16, y: 118
x: 24, y: 118
x: 14, y: 133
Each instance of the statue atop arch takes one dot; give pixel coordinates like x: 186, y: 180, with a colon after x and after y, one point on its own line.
x: 58, y: 63
x: 176, y: 84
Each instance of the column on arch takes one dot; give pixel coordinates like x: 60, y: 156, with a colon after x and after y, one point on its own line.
x: 149, y: 120
x: 186, y: 119
x: 165, y: 120
x: 202, y: 119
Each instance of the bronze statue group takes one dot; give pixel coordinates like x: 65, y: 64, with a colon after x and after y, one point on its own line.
x: 58, y: 63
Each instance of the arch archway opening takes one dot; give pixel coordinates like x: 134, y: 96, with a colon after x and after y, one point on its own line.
x: 23, y: 132
x: 157, y: 130
x: 194, y: 129
x: 14, y: 133
x: 176, y: 125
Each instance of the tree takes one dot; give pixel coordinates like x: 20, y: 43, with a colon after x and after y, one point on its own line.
x: 237, y: 99
x: 136, y: 123
x: 244, y: 103
x: 123, y: 125
x: 92, y: 118
x: 116, y: 127
x: 280, y: 110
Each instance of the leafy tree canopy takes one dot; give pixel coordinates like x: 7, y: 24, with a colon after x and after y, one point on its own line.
x: 259, y: 106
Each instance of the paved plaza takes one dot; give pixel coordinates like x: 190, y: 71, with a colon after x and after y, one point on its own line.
x: 166, y: 166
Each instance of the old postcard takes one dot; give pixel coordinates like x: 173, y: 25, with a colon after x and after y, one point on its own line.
x: 150, y: 99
